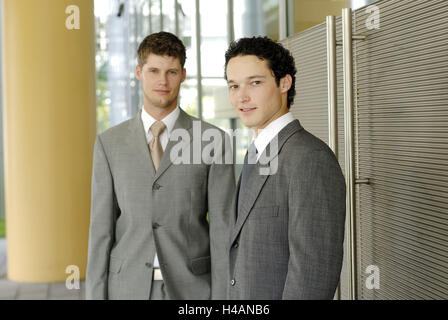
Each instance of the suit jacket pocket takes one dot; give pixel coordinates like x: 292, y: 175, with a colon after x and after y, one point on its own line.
x: 263, y: 212
x: 200, y: 265
x: 115, y: 264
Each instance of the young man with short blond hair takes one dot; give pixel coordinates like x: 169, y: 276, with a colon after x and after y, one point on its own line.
x: 149, y: 233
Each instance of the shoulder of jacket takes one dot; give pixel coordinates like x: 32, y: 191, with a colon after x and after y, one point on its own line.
x: 117, y: 130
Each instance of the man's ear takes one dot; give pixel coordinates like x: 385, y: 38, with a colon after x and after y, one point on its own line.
x: 286, y: 83
x: 138, y: 72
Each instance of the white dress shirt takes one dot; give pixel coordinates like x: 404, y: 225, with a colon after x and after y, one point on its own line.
x: 267, y: 134
x: 169, y: 122
x: 164, y: 137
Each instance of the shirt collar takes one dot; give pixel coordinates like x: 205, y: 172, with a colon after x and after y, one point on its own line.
x: 169, y: 120
x: 270, y: 131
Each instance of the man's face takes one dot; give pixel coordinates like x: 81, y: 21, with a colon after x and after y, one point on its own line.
x: 161, y: 77
x: 254, y: 93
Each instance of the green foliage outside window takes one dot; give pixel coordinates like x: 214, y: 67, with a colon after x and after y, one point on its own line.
x: 2, y: 229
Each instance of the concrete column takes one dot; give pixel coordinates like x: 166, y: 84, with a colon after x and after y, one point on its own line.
x: 49, y: 120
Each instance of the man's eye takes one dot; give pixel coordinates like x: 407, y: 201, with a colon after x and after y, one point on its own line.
x: 255, y: 83
x: 233, y: 87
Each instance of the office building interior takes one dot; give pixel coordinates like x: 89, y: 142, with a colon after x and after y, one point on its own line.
x: 372, y: 82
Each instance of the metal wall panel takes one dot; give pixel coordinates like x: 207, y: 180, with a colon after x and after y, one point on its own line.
x: 402, y: 103
x: 401, y: 141
x: 310, y: 103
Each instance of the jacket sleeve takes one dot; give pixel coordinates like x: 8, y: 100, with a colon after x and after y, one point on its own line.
x: 104, y: 212
x: 221, y: 189
x: 316, y: 228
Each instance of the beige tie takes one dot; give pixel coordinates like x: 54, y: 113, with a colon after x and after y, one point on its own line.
x: 155, y: 147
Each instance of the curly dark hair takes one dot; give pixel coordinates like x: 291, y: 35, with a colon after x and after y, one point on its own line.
x: 279, y: 59
x: 161, y: 43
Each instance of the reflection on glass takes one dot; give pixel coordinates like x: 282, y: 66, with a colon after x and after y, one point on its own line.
x: 256, y: 18
x: 213, y: 37
x: 145, y: 21
x: 188, y: 96
x: 168, y: 16
x: 215, y: 100
x: 187, y: 15
x: 155, y: 20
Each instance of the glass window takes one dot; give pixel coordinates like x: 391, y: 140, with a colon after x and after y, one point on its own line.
x: 215, y: 100
x: 188, y: 96
x: 214, y: 41
x: 256, y: 18
x: 101, y: 63
x: 155, y: 16
x: 168, y: 16
x: 187, y: 31
x: 122, y: 25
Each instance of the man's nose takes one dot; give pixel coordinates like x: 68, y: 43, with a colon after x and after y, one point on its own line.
x: 163, y: 79
x: 243, y: 95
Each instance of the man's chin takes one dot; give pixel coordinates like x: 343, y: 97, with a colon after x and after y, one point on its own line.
x: 162, y: 104
x: 248, y: 124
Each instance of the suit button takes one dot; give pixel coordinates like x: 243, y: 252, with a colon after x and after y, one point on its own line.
x: 155, y: 225
x: 148, y: 264
x: 232, y: 283
x: 236, y: 245
x: 156, y: 186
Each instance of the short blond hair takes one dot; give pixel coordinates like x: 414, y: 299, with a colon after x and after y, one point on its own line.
x: 161, y: 43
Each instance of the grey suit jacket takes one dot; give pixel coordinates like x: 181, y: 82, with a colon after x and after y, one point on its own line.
x: 287, y: 241
x: 137, y: 212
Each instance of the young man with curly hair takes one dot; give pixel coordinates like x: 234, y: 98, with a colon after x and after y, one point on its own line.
x: 288, y: 228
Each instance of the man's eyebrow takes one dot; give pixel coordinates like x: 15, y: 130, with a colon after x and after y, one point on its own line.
x: 248, y: 78
x: 170, y: 69
x: 256, y: 76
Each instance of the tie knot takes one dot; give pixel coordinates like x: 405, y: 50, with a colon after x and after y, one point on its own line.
x: 157, y: 128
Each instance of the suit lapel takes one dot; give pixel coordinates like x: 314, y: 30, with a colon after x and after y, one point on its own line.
x: 256, y: 181
x: 184, y: 121
x: 137, y: 139
x: 254, y: 185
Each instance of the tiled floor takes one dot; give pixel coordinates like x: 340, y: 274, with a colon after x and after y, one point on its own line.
x: 10, y: 290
